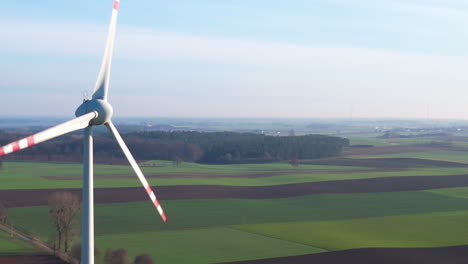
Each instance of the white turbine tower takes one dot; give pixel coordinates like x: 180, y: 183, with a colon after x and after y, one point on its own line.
x: 93, y: 112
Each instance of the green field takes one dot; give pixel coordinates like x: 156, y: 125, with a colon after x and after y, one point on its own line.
x: 418, y: 230
x: 30, y: 175
x: 203, y: 228
x: 186, y: 214
x: 205, y: 245
x: 210, y: 231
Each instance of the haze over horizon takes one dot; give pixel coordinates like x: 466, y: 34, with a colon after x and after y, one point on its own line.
x: 258, y: 58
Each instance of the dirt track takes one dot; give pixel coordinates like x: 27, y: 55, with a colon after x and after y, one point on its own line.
x: 442, y: 255
x: 185, y: 192
x: 31, y: 259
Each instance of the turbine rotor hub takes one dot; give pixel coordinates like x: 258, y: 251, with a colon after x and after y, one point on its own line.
x: 103, y: 109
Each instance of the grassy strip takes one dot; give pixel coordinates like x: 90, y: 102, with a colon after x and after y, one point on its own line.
x: 373, y: 140
x: 453, y: 156
x: 157, y: 167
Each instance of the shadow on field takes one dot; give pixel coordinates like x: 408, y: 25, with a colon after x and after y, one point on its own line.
x: 441, y: 255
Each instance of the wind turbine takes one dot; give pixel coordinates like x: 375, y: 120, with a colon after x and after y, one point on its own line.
x: 93, y: 112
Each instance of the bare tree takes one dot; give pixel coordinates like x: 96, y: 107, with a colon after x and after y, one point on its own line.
x: 176, y: 161
x: 294, y: 163
x: 117, y: 256
x: 3, y: 213
x: 64, y: 208
x: 143, y: 259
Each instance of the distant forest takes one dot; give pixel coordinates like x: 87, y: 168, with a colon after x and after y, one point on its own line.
x: 202, y: 147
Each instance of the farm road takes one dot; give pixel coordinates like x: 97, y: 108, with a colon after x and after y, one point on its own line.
x: 31, y: 259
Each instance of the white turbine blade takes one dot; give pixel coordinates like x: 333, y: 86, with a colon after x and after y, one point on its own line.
x: 58, y: 130
x: 102, y: 83
x: 137, y: 170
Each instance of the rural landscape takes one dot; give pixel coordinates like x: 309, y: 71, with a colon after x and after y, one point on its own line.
x: 397, y: 195
x: 233, y: 132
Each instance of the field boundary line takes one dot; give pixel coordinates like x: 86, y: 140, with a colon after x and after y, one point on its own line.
x: 277, y: 238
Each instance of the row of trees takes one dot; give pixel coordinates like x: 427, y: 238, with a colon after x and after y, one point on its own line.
x: 115, y: 256
x: 213, y: 147
x: 120, y: 256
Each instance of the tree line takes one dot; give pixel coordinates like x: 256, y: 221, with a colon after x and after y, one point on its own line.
x: 203, y: 147
x: 231, y: 147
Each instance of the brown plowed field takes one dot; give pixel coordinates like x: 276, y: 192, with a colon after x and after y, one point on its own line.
x: 30, y: 259
x: 185, y: 192
x: 442, y: 255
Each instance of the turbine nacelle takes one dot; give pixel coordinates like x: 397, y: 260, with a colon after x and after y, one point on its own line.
x: 102, y: 108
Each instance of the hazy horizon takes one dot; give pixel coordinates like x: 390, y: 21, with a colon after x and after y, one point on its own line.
x: 226, y: 59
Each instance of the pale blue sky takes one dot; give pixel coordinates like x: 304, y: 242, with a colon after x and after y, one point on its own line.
x: 239, y: 58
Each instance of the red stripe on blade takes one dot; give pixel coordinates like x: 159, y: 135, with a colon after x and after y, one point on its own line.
x: 149, y: 190
x: 2, y: 152
x: 156, y: 203
x: 116, y: 5
x: 15, y: 146
x: 30, y: 141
